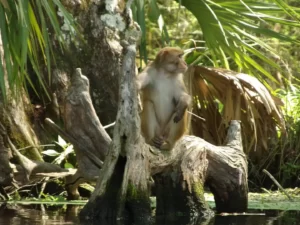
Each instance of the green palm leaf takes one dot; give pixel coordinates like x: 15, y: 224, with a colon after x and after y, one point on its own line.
x: 25, y: 36
x: 232, y: 29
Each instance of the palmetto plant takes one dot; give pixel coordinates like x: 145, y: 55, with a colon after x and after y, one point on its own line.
x: 25, y: 29
x: 222, y: 95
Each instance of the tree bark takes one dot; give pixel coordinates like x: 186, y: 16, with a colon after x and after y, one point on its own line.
x: 15, y: 123
x: 123, y: 186
x: 6, y: 172
x: 180, y: 176
x: 228, y: 172
x: 102, y: 27
x: 85, y: 131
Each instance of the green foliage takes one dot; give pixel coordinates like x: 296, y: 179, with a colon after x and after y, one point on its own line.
x: 283, y: 157
x: 52, y: 198
x: 236, y: 35
x: 67, y: 150
x: 25, y: 36
x: 290, y: 144
x: 146, y: 21
x: 291, y: 101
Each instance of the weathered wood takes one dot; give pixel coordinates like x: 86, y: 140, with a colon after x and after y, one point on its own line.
x: 180, y: 176
x: 228, y: 172
x: 123, y: 187
x: 6, y: 172
x: 100, y: 54
x: 85, y: 131
x: 81, y: 121
x: 180, y: 185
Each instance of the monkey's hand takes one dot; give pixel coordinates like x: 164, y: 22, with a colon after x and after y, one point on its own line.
x: 183, y: 102
x: 178, y: 115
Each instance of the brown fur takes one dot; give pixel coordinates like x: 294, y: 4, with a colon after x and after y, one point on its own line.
x: 165, y: 99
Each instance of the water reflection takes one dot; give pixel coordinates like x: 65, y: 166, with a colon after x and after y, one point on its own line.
x: 68, y: 215
x: 39, y: 215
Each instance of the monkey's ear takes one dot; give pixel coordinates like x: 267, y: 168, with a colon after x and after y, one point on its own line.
x: 162, y: 55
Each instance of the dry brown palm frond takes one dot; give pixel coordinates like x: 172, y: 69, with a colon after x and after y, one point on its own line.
x: 222, y: 95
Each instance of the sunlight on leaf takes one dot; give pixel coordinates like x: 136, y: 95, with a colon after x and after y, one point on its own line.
x: 160, y: 22
x: 50, y: 152
x: 68, y: 165
x: 64, y: 154
x: 233, y: 29
x: 61, y: 142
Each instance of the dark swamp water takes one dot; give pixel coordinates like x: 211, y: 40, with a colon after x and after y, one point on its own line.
x: 68, y: 215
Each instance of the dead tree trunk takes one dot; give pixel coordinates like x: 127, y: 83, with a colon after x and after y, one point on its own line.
x: 228, y: 172
x: 85, y: 131
x: 180, y: 176
x: 123, y: 186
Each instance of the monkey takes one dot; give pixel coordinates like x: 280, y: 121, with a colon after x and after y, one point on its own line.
x: 164, y: 99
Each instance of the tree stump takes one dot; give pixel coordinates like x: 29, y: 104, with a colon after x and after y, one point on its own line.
x: 123, y: 188
x: 85, y: 131
x: 180, y: 176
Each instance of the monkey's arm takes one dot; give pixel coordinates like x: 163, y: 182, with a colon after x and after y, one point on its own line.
x: 182, y: 103
x: 143, y: 80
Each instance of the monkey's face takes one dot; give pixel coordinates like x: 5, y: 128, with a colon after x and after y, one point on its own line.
x: 175, y: 64
x: 170, y: 59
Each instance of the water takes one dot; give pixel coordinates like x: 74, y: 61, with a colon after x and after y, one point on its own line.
x: 68, y: 215
x: 39, y: 215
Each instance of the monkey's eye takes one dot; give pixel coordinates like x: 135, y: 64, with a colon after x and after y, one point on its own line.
x: 180, y: 56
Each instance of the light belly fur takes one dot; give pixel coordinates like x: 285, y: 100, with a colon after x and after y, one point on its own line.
x: 163, y: 95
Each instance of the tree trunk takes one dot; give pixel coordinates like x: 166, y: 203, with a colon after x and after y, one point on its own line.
x: 228, y: 172
x: 15, y: 123
x: 180, y: 176
x: 123, y: 186
x: 85, y: 131
x: 14, y: 116
x: 99, y: 56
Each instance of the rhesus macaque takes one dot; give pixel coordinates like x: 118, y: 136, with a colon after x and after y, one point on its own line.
x: 164, y: 98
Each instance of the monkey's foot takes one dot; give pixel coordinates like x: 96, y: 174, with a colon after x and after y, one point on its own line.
x: 165, y: 146
x: 159, y: 142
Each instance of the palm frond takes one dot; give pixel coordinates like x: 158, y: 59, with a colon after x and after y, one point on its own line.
x: 234, y: 29
x: 223, y: 95
x: 25, y: 37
